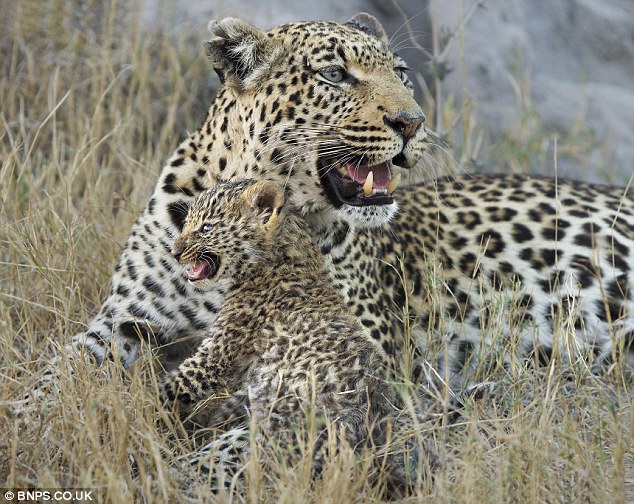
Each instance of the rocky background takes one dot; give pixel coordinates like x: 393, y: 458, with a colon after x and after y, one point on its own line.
x: 523, y: 73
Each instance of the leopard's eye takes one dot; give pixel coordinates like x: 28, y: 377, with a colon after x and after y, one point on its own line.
x: 333, y: 74
x: 401, y: 73
x: 205, y: 228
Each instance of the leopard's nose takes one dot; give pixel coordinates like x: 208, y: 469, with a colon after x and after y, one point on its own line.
x: 406, y: 125
x: 177, y: 250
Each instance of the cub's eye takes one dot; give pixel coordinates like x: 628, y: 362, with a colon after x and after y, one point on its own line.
x: 205, y: 228
x: 401, y: 73
x: 333, y: 74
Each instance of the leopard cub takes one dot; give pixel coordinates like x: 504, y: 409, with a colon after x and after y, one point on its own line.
x: 283, y: 339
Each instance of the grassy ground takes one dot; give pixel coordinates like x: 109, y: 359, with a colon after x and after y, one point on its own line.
x: 91, y: 106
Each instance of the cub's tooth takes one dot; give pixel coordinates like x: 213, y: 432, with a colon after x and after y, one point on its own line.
x: 393, y: 183
x: 367, y: 186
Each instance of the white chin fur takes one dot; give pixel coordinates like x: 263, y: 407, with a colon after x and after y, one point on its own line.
x: 368, y: 216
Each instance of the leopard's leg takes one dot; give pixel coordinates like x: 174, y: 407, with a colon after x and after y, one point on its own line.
x: 150, y: 299
x: 150, y: 302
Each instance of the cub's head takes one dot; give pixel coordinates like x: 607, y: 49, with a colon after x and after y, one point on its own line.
x: 229, y: 229
x: 325, y: 109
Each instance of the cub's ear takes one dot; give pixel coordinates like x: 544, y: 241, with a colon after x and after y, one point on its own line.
x: 238, y: 50
x: 267, y: 199
x: 368, y: 24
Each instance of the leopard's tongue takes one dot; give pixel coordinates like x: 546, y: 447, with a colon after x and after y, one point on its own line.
x: 199, y: 270
x: 381, y: 175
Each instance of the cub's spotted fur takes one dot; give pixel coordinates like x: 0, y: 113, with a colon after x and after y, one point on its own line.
x: 283, y: 343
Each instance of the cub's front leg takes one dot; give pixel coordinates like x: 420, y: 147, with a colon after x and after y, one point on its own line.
x: 220, y: 363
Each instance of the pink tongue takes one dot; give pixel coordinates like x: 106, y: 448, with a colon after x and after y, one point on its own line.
x: 382, y: 175
x: 198, y: 270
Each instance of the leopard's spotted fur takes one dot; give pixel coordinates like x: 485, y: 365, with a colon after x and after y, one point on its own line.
x: 297, y: 104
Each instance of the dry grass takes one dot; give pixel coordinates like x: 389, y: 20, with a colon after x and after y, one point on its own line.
x: 91, y: 106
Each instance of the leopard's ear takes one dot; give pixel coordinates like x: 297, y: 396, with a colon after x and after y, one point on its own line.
x: 368, y: 24
x: 238, y: 51
x: 267, y: 199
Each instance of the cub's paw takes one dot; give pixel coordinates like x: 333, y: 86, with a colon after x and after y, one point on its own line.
x: 177, y: 389
x: 186, y: 386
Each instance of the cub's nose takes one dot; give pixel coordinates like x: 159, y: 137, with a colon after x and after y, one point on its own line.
x: 406, y: 125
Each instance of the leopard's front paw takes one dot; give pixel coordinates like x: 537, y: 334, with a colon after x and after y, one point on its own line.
x: 43, y: 389
x: 41, y: 393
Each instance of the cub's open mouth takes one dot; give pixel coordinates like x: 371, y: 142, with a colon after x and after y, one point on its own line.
x: 358, y: 185
x: 204, y: 268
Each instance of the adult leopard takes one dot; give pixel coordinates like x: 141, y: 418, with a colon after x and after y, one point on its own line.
x: 326, y: 109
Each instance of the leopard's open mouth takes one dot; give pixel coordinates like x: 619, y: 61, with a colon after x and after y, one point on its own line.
x: 204, y: 268
x: 356, y: 184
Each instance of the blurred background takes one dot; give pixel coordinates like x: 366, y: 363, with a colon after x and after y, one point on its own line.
x: 513, y: 75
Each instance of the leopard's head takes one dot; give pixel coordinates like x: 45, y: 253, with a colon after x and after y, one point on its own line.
x: 325, y: 109
x: 229, y: 229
